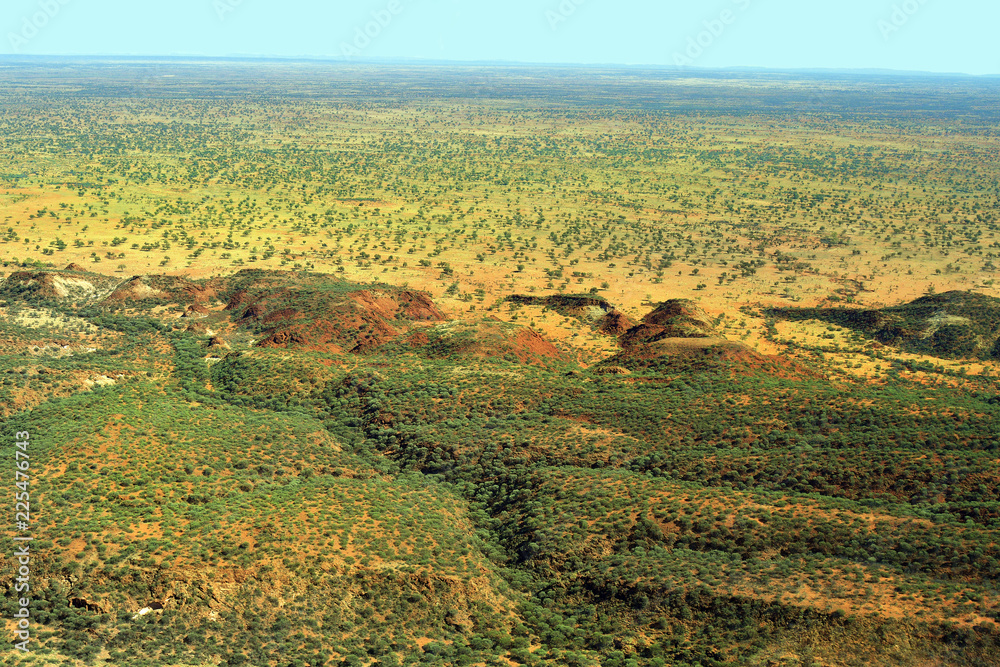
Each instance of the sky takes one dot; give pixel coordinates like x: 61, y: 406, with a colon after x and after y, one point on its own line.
x: 922, y: 35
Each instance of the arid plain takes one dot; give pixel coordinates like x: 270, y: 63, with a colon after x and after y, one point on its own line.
x: 540, y: 366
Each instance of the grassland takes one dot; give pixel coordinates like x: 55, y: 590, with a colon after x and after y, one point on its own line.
x: 377, y: 366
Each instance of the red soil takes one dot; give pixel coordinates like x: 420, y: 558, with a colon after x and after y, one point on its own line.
x: 616, y: 323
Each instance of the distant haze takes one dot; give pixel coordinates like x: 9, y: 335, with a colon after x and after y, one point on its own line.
x: 924, y: 35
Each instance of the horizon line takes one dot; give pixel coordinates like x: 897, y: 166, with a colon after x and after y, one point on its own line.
x: 870, y: 71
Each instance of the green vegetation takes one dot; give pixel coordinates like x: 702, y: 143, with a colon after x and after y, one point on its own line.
x: 451, y: 430
x: 391, y: 497
x: 953, y: 325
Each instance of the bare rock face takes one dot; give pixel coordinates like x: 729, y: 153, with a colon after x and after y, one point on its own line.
x: 195, y: 310
x: 217, y: 343
x: 57, y: 285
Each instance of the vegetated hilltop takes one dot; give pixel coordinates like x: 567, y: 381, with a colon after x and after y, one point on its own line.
x: 359, y: 480
x: 72, y: 283
x: 283, y: 309
x: 679, y: 335
x: 487, y: 338
x: 161, y: 289
x: 593, y: 309
x: 323, y: 314
x: 950, y: 325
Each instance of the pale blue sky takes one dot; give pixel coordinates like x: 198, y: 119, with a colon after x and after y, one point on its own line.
x: 929, y: 35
